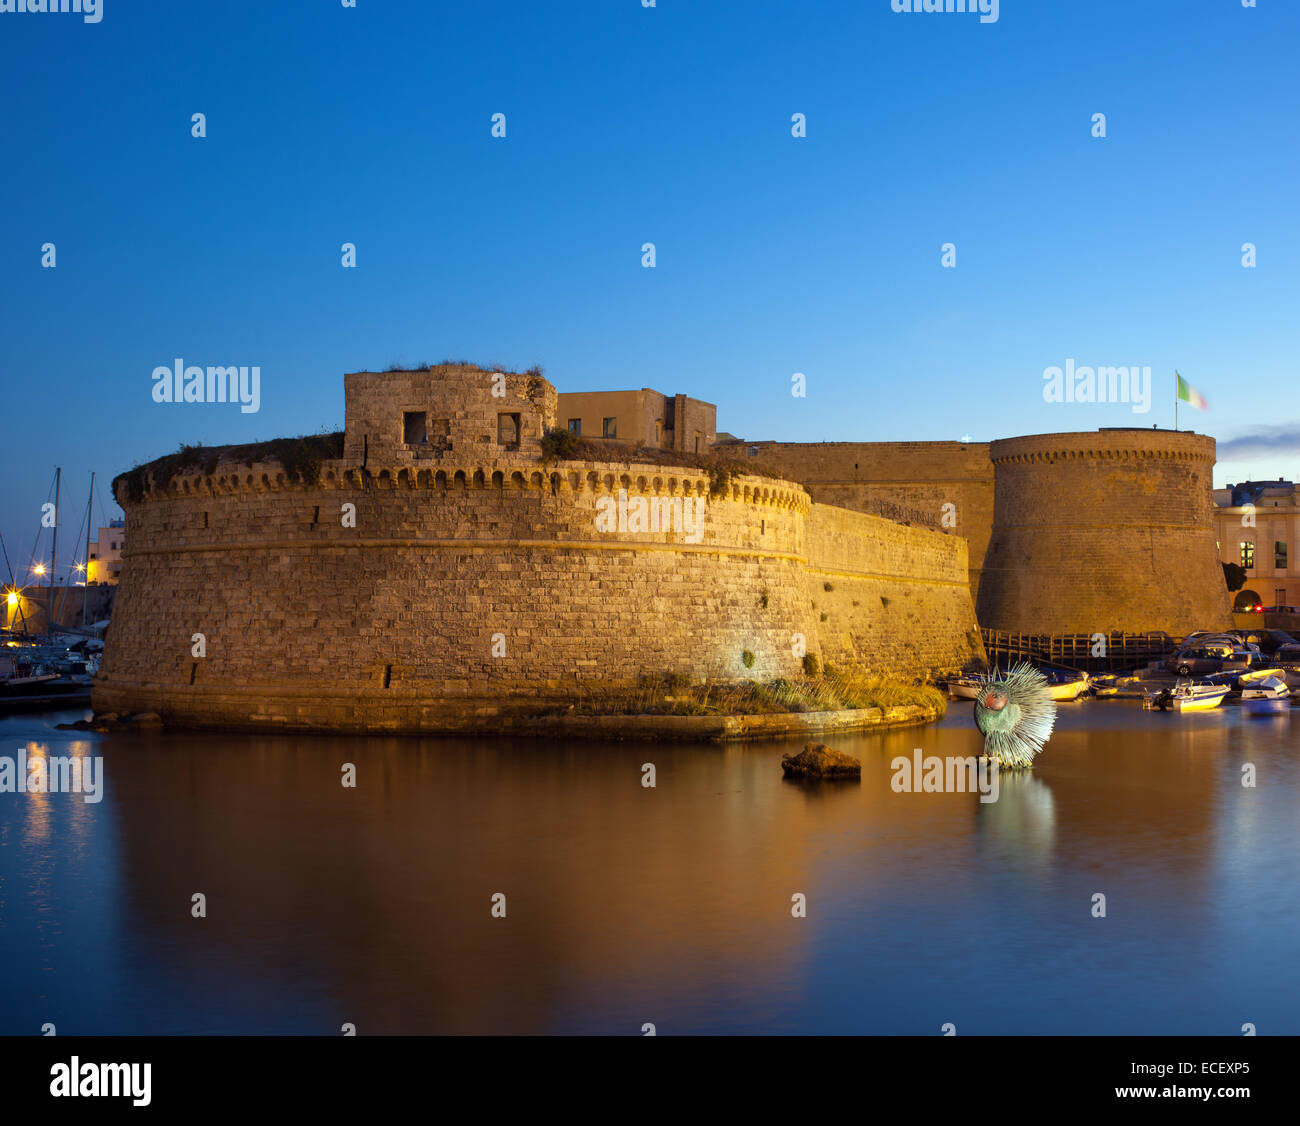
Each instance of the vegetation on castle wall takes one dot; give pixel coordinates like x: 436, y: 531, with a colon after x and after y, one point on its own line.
x: 300, y: 458
x: 831, y: 691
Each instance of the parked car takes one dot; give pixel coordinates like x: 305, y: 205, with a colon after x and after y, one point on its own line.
x: 1268, y: 640
x: 1236, y: 640
x: 1207, y: 658
x: 1288, y: 654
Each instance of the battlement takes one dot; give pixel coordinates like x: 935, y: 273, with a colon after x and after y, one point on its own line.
x: 1106, y: 445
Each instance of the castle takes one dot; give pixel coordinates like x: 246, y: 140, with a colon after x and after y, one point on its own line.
x: 446, y: 571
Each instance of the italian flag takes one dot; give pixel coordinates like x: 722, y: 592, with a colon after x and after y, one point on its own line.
x: 1189, y: 394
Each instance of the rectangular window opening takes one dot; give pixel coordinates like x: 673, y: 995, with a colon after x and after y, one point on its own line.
x: 415, y: 428
x: 609, y: 428
x: 508, y: 431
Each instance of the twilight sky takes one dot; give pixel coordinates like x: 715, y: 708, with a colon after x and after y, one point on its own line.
x: 626, y: 125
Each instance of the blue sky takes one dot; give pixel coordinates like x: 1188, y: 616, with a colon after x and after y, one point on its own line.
x: 627, y: 125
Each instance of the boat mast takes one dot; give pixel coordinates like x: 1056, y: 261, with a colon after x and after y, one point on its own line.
x: 54, y: 553
x: 85, y: 586
x: 13, y: 585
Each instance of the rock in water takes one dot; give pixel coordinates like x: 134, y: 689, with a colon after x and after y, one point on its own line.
x: 817, y: 760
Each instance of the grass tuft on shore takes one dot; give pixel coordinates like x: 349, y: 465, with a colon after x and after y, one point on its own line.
x: 831, y: 691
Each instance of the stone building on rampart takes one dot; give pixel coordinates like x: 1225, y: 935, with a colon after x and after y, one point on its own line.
x: 645, y: 417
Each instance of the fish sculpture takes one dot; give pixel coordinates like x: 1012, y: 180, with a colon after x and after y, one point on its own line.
x: 1015, y: 713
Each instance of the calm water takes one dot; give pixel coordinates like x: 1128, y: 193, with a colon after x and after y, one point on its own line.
x: 672, y: 906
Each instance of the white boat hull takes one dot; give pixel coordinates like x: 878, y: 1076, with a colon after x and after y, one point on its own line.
x: 1186, y: 699
x: 1198, y: 703
x: 1267, y: 705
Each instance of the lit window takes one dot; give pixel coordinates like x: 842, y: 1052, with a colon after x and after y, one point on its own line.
x: 1248, y: 555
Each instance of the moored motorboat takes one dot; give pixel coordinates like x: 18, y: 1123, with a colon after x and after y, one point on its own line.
x: 965, y: 687
x: 1186, y: 697
x: 1111, y: 685
x: 1071, y: 689
x: 1267, y: 697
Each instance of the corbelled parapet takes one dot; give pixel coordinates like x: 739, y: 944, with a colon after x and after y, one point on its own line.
x: 1103, y: 531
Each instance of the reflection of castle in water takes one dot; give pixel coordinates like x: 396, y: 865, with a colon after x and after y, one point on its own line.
x: 373, y: 905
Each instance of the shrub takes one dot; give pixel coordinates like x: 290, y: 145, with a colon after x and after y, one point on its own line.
x: 810, y: 665
x: 748, y: 658
x: 559, y: 444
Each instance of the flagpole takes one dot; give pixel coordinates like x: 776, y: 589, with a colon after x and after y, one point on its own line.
x: 1175, y: 398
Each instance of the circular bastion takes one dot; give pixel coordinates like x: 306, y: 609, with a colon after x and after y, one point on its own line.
x: 1104, y: 531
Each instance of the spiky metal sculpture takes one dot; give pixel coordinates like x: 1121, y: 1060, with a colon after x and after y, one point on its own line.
x: 1015, y: 713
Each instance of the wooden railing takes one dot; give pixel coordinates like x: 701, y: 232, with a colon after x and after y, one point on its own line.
x: 1102, y: 652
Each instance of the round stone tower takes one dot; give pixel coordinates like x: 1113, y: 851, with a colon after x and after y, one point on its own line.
x: 1101, y: 532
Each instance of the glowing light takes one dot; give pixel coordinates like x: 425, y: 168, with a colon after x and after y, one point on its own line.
x: 39, y: 568
x: 12, y: 599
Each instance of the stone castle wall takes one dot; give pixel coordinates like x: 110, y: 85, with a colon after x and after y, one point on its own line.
x: 1102, y: 531
x: 391, y: 624
x: 1068, y: 533
x: 923, y: 476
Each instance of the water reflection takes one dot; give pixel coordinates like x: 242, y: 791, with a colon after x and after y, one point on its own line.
x: 672, y: 905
